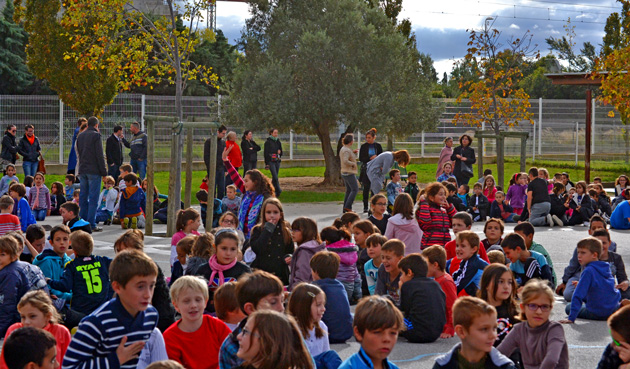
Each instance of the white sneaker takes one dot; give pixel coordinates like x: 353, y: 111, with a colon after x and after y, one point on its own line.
x: 550, y: 220
x: 586, y: 224
x: 557, y: 220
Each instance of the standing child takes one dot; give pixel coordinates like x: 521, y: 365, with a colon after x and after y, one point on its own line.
x: 8, y: 177
x: 226, y: 305
x: 489, y: 188
x: 107, y: 202
x: 133, y: 203
x: 187, y: 223
x: 305, y: 235
x: 436, y: 263
x: 466, y: 267
x: 307, y: 305
x: 231, y: 201
x: 525, y: 264
x: 39, y: 198
x: 422, y: 301
x: 617, y: 352
x: 434, y: 214
x: 361, y: 230
x: 8, y: 221
x: 56, y: 197
x: 500, y: 209
x: 194, y: 340
x: 223, y: 266
x: 379, y: 214
x: 447, y: 173
x: 24, y: 213
x: 37, y: 311
x: 498, y: 289
x: 517, y: 192
x: 373, y: 247
x: 394, y: 188
x: 71, y: 185
x: 478, y: 206
x: 540, y: 341
x: 70, y: 215
x: 493, y: 229
x: 412, y: 186
x: 403, y: 226
x: 376, y: 325
x: 271, y: 241
x: 338, y: 241
x: 389, y: 273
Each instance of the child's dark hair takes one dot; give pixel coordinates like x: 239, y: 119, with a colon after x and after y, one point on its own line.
x: 412, y: 173
x: 332, y: 234
x: 132, y: 239
x: 28, y: 181
x: 58, y: 187
x: 393, y: 172
x: 435, y: 254
x: 131, y: 177
x: 403, y: 205
x: 375, y: 239
x: 18, y: 188
x: 186, y: 244
x: 82, y: 243
x: 466, y: 188
x: 9, y: 165
x: 299, y: 307
x: 202, y: 247
x: 285, y: 227
x: 128, y: 264
x: 41, y: 233
x: 450, y: 187
x: 394, y: 245
x: 325, y: 264
x: 347, y: 218
x: 618, y: 322
x: 487, y: 172
x: 72, y: 178
x: 464, y: 217
x: 308, y: 227
x: 414, y: 263
x: 126, y: 168
x: 557, y: 188
x: 477, y: 185
x: 262, y: 183
x: 253, y: 287
x: 377, y: 312
x: 366, y: 227
x: 202, y: 196
x: 36, y: 232
x: 492, y: 274
x: 526, y: 228
x: 432, y: 190
x: 374, y: 199
x: 70, y: 206
x: 27, y: 345
x: 184, y: 216
x: 602, y: 233
x: 223, y: 234
x: 6, y: 202
x: 512, y: 241
x: 225, y: 300
x: 597, y: 218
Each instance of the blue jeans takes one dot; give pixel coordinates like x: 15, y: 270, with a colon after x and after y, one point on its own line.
x: 30, y: 168
x: 353, y: 289
x: 139, y: 167
x: 219, y: 184
x: 585, y: 314
x: 352, y: 189
x: 39, y: 214
x: 274, y: 168
x: 88, y: 197
x: 102, y: 216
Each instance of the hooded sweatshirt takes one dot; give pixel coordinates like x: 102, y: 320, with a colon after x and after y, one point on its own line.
x: 52, y: 265
x: 348, y: 252
x: 597, y: 288
x: 132, y: 202
x: 406, y: 230
x: 300, y: 263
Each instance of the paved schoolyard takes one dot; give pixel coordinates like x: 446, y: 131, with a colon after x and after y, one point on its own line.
x: 586, y: 339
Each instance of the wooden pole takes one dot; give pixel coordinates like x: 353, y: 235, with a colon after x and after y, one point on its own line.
x: 523, y: 153
x: 212, y: 170
x: 174, y: 181
x: 150, y: 127
x: 500, y: 139
x: 587, y: 152
x: 479, y: 137
x: 189, y: 163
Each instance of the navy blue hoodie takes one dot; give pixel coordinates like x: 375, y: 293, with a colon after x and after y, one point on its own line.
x: 337, y: 316
x: 597, y: 289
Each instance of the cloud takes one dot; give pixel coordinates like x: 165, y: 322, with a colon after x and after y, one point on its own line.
x: 514, y: 26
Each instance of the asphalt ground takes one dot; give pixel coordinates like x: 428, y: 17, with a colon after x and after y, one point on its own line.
x: 586, y: 339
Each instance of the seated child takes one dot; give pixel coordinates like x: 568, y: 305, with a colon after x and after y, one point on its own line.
x: 39, y: 198
x: 183, y: 249
x: 70, y: 186
x: 617, y: 267
x: 14, y: 283
x: 75, y: 196
x: 52, y: 262
x: 373, y: 243
x: 107, y: 202
x: 412, y: 185
x: 307, y: 304
x: 489, y: 188
x: 7, y: 178
x: 620, y: 217
x: 187, y: 223
x: 125, y: 321
x: 28, y: 183
x: 466, y: 267
x: 388, y: 280
x: 526, y: 230
x: 30, y: 348
x: 499, y: 290
x: 475, y: 324
x: 132, y: 204
x: 36, y: 236
x: 393, y: 188
x: 462, y: 221
x: 8, y: 221
x: 226, y: 305
x: 620, y: 331
x: 17, y: 192
x: 325, y: 266
x: 496, y: 256
x: 375, y: 314
x: 452, y: 197
x: 596, y: 286
x: 422, y: 301
x: 493, y: 229
x: 231, y: 201
x: 478, y: 204
x: 436, y: 261
x: 447, y: 172
x: 525, y: 264
x: 70, y: 215
x: 195, y: 339
x: 500, y: 209
x: 255, y: 291
x: 56, y: 197
x: 462, y: 193
x: 87, y: 276
x: 559, y: 204
x: 338, y: 241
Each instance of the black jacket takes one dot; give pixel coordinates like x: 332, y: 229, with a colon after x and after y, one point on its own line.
x: 423, y: 303
x: 90, y: 152
x: 586, y: 206
x: 467, y: 152
x: 9, y: 148
x: 484, y: 206
x: 161, y: 301
x: 268, y: 244
x: 495, y: 211
x: 457, y: 202
x: 603, y: 204
x: 557, y: 205
x: 29, y: 152
x: 250, y: 150
x: 114, y: 151
x: 271, y: 148
x: 364, y: 158
x: 206, y: 153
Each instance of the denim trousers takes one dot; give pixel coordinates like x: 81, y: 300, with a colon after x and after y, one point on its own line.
x: 352, y: 189
x: 88, y: 197
x: 30, y: 168
x: 139, y: 167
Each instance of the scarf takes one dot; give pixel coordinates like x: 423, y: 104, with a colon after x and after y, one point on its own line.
x: 31, y: 140
x: 219, y: 268
x: 273, y: 138
x: 247, y: 215
x: 36, y: 201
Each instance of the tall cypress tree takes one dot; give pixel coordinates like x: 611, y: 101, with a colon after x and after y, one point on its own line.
x: 15, y: 77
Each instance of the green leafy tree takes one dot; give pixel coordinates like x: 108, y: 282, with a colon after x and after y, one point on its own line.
x: 564, y: 47
x: 357, y: 70
x: 14, y: 75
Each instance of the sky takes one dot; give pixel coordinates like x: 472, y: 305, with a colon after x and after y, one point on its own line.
x: 440, y: 26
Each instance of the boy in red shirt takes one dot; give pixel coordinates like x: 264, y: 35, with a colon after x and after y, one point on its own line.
x: 436, y: 259
x: 194, y: 340
x: 462, y: 221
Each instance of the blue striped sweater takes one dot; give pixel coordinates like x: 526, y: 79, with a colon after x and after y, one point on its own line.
x: 95, y: 342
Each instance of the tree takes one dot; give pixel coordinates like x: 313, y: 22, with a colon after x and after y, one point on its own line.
x: 496, y: 98
x: 14, y: 76
x: 357, y: 70
x: 582, y: 62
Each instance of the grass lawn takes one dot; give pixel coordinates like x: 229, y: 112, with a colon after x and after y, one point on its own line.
x: 608, y: 171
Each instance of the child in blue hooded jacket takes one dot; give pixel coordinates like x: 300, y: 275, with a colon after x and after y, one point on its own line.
x: 132, y: 203
x: 53, y: 262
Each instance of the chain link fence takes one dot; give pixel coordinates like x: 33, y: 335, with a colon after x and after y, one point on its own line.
x: 558, y: 131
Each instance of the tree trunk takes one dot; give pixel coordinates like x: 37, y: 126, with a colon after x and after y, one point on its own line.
x: 390, y: 142
x: 175, y: 175
x: 626, y: 137
x: 332, y: 174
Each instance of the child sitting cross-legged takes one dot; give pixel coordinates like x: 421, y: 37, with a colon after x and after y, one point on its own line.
x: 525, y: 264
x: 466, y: 267
x: 493, y: 229
x: 195, y: 339
x: 107, y: 202
x: 501, y: 209
x: 436, y: 262
x: 31, y: 348
x: 226, y: 305
x: 499, y: 290
x: 422, y: 301
x: 388, y: 282
x: 617, y: 266
x: 478, y: 206
x: 475, y: 324
x: 526, y: 230
x: 617, y: 353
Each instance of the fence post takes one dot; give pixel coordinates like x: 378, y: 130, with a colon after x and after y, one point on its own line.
x: 219, y: 108
x: 534, y: 142
x: 358, y: 139
x: 291, y: 144
x: 189, y: 169
x: 540, y: 110
x: 577, y: 138
x: 593, y: 126
x: 150, y: 172
x: 422, y: 154
x: 61, y: 131
x: 142, y: 111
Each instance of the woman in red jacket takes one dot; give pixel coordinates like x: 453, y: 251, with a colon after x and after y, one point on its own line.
x: 235, y: 156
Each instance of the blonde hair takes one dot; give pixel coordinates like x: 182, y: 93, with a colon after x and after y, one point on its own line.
x: 40, y: 301
x: 534, y: 289
x: 197, y: 284
x: 82, y: 243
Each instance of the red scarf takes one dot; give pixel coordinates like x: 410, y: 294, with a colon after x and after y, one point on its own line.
x: 31, y: 139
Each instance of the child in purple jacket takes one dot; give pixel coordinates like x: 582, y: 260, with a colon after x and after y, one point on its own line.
x: 517, y: 192
x: 39, y: 198
x: 338, y: 241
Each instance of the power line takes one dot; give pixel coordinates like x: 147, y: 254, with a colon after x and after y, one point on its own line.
x: 507, y: 17
x: 573, y: 4
x: 542, y: 7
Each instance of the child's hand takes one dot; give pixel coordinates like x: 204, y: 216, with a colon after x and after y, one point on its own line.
x: 53, y: 297
x: 566, y: 321
x: 126, y: 353
x: 574, y: 283
x: 446, y: 335
x: 622, y: 286
x: 624, y: 352
x: 560, y: 289
x: 225, y: 153
x: 287, y: 260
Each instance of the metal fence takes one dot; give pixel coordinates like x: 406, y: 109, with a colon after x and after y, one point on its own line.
x: 558, y: 132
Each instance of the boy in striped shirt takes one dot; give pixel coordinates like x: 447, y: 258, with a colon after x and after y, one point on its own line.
x: 8, y: 221
x: 114, y: 334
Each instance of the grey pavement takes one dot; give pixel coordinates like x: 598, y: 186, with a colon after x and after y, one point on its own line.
x: 586, y: 339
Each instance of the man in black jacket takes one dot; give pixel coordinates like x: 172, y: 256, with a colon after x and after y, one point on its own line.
x: 220, y: 171
x: 92, y: 169
x: 30, y: 150
x: 138, y: 154
x: 114, y: 151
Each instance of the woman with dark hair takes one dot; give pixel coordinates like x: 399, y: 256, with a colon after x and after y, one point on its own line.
x: 9, y: 147
x: 464, y: 158
x: 273, y: 153
x: 368, y: 152
x: 349, y: 172
x: 250, y: 150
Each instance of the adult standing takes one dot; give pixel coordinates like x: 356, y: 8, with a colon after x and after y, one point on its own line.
x: 138, y: 154
x: 235, y: 156
x: 349, y: 172
x: 464, y: 158
x: 72, y: 159
x: 114, y: 151
x: 273, y: 155
x: 219, y: 183
x: 445, y: 155
x: 9, y: 147
x: 250, y: 149
x: 378, y: 168
x: 538, y: 200
x: 92, y: 169
x: 368, y: 152
x: 30, y: 150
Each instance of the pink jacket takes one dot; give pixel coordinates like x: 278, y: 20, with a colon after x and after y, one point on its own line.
x: 348, y: 252
x: 406, y: 230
